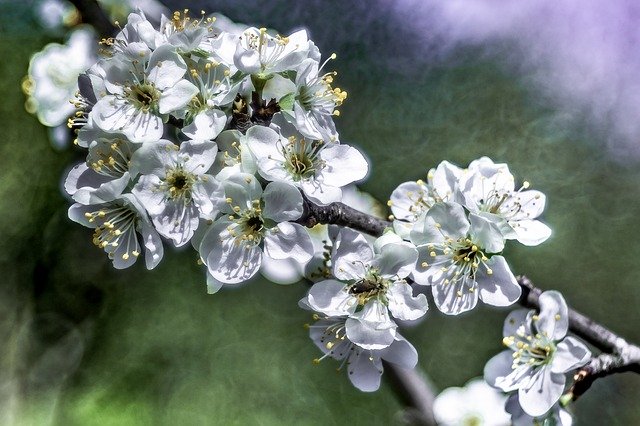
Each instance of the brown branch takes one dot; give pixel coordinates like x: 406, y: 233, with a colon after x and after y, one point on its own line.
x: 342, y: 215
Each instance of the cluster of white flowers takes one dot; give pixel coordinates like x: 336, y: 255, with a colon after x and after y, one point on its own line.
x: 210, y: 134
x: 459, y: 221
x: 534, y: 367
x: 214, y: 134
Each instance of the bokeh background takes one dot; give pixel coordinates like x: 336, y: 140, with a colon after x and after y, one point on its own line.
x: 549, y: 89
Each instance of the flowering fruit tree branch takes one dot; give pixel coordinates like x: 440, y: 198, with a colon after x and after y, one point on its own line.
x: 618, y: 355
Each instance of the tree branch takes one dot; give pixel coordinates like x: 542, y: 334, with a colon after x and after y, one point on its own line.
x: 343, y: 215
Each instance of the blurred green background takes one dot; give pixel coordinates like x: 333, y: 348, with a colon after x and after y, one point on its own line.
x: 84, y: 344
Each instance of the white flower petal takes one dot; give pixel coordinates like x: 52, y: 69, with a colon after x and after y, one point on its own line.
x: 499, y: 288
x: 165, y: 67
x: 570, y: 354
x: 371, y: 327
x: 442, y: 220
x: 228, y: 261
x: 531, y: 232
x: 401, y: 353
x: 331, y: 298
x: 343, y: 165
x: 176, y: 96
x: 486, y: 234
x: 154, y: 158
x: 395, y: 260
x: 403, y: 305
x: 542, y: 392
x: 553, y: 319
x: 282, y: 202
x: 365, y: 370
x: 206, y: 124
x: 288, y: 240
x: 455, y: 297
x: 351, y: 252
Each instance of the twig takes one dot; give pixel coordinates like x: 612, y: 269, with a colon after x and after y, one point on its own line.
x: 343, y: 215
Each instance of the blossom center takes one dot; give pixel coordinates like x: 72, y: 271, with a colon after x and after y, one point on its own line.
x: 179, y: 183
x: 302, y: 158
x: 372, y: 286
x: 143, y: 96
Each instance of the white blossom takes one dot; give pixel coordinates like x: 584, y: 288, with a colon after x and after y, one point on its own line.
x: 457, y: 257
x: 254, y: 222
x: 369, y: 287
x: 539, y: 355
x: 105, y: 174
x: 320, y: 169
x: 364, y: 366
x: 53, y: 76
x: 142, y: 89
x: 116, y: 223
x: 260, y: 53
x: 489, y: 190
x: 412, y: 199
x: 476, y: 403
x: 175, y: 188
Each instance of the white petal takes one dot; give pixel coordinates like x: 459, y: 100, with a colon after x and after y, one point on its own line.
x: 441, y: 221
x: 401, y: 353
x: 343, y: 165
x: 515, y: 321
x: 486, y: 234
x: 331, y: 298
x: 165, y: 67
x: 351, y: 252
x: 365, y: 370
x: 396, y: 260
x: 403, y: 305
x: 499, y: 288
x: 228, y: 261
x: 320, y: 193
x: 553, y: 320
x: 176, y: 97
x: 152, y: 243
x: 542, y: 392
x: 455, y: 297
x: 153, y: 158
x: 198, y: 155
x: 288, y: 240
x: 570, y: 354
x: 282, y: 202
x: 146, y: 192
x: 371, y: 328
x: 531, y: 232
x: 206, y: 124
x: 177, y: 221
x: 208, y: 196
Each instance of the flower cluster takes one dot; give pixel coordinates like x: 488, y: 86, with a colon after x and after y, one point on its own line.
x: 211, y: 134
x: 459, y: 221
x: 215, y: 134
x: 539, y: 355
